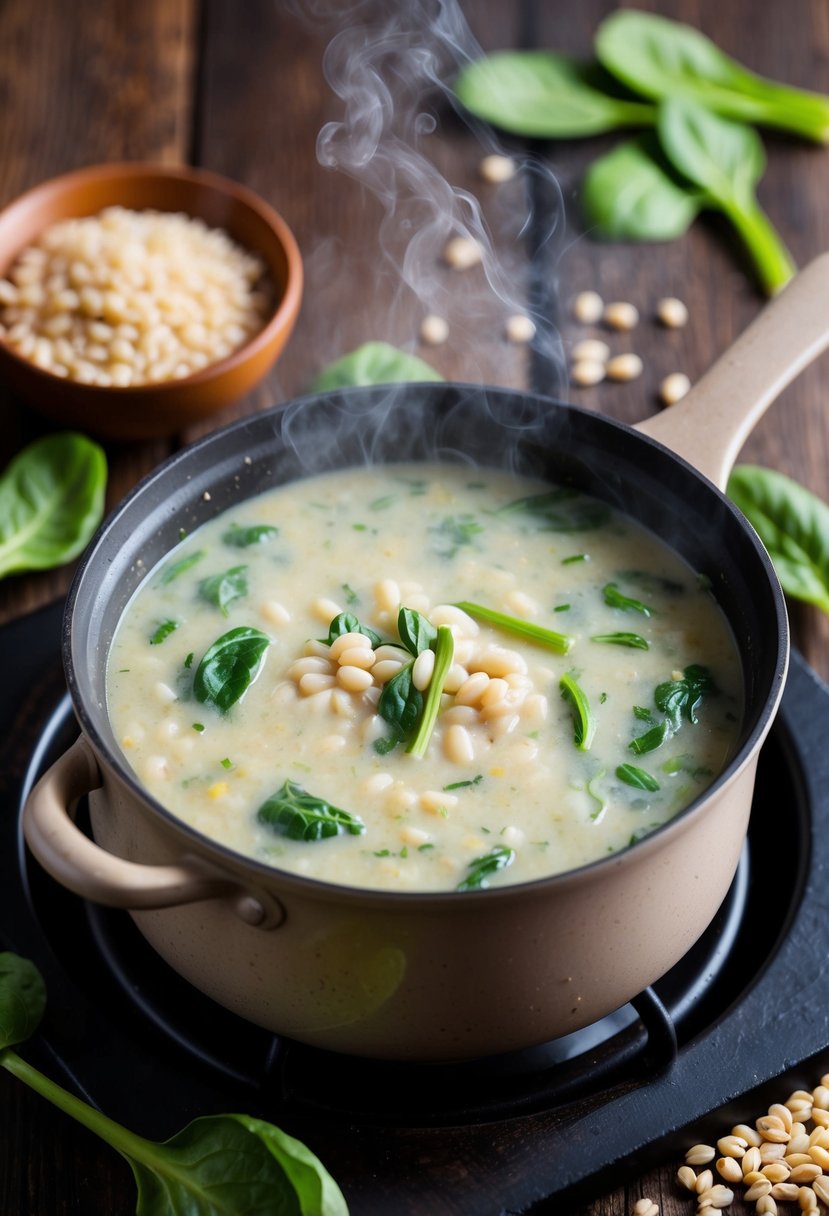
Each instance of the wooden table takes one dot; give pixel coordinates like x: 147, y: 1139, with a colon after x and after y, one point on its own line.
x: 239, y: 88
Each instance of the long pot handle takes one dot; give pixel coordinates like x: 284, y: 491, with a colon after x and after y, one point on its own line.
x: 710, y: 425
x: 79, y: 864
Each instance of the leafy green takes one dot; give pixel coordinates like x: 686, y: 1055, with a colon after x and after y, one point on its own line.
x: 614, y: 598
x: 463, y: 785
x: 416, y: 631
x: 545, y: 96
x: 793, y: 524
x: 373, y: 363
x: 630, y: 194
x: 239, y: 537
x: 681, y: 698
x: 162, y: 631
x: 400, y: 705
x: 51, y: 501
x: 295, y: 813
x: 584, y: 723
x: 637, y: 777
x: 661, y: 58
x: 559, y: 642
x: 230, y: 666
x: 347, y: 622
x: 176, y: 569
x: 651, y: 739
x: 222, y: 1164
x: 633, y: 640
x: 483, y: 867
x: 562, y: 510
x: 225, y: 588
x: 444, y: 647
x: 454, y: 532
x: 726, y: 160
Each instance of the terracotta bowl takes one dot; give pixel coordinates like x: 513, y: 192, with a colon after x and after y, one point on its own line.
x: 151, y: 410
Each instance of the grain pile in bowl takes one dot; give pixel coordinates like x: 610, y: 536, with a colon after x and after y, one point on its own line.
x: 132, y: 297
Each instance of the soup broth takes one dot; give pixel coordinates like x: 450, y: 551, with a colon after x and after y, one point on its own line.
x: 298, y: 681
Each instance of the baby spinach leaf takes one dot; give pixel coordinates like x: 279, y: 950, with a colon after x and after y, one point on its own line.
x: 373, y: 363
x: 454, y: 532
x: 726, y: 160
x: 295, y: 813
x: 22, y: 999
x: 614, y: 598
x: 662, y: 58
x: 637, y: 777
x: 401, y: 705
x: 584, y: 723
x: 546, y: 96
x: 652, y: 739
x: 562, y: 510
x: 634, y: 640
x: 163, y: 631
x: 239, y: 537
x: 230, y: 666
x: 483, y: 867
x: 631, y: 194
x: 51, y: 501
x: 224, y: 589
x: 347, y: 622
x: 176, y: 569
x: 416, y: 631
x: 444, y: 651
x: 681, y: 698
x: 793, y: 524
x: 559, y: 642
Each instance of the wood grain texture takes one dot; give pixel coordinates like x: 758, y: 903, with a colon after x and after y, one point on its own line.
x: 241, y: 89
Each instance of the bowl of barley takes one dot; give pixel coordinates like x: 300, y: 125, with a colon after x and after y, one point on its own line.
x: 138, y: 299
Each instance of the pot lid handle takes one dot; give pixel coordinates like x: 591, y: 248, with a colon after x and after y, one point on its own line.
x: 710, y: 425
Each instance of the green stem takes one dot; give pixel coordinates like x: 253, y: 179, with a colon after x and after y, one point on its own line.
x: 772, y: 260
x: 444, y: 653
x: 559, y: 642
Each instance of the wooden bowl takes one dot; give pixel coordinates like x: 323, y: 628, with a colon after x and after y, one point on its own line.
x: 163, y: 408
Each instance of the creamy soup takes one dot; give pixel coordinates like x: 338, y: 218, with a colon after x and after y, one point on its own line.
x: 424, y: 677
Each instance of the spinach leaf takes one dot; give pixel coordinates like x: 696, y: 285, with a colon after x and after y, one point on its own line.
x: 295, y: 813
x: 51, y: 501
x: 562, y: 510
x: 176, y: 569
x: 163, y: 631
x: 584, y: 723
x: 230, y: 666
x: 239, y: 537
x: 482, y: 867
x: 652, y: 739
x: 222, y: 1163
x: 401, y: 705
x: 726, y: 160
x: 662, y: 58
x: 347, y: 622
x: 454, y: 532
x: 637, y: 777
x: 793, y: 524
x: 416, y: 631
x: 559, y: 642
x: 614, y: 598
x: 681, y: 698
x: 224, y: 589
x: 545, y: 96
x: 631, y: 194
x: 444, y: 651
x: 634, y: 640
x: 373, y: 363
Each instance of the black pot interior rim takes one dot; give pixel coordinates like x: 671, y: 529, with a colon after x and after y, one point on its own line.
x: 201, y: 449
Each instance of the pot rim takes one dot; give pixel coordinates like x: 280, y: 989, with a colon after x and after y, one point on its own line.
x: 266, y: 873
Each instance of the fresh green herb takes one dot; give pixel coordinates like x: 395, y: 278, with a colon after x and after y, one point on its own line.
x: 686, y: 764
x: 643, y: 714
x: 637, y: 777
x: 614, y: 598
x: 462, y: 785
x: 351, y: 596
x: 559, y: 642
x: 634, y: 640
x: 652, y: 739
x: 726, y: 160
x: 51, y: 501
x: 227, y: 1163
x: 417, y: 633
x: 188, y: 662
x: 400, y: 705
x: 295, y: 813
x: 444, y: 651
x: 584, y: 723
x: 359, y: 528
x: 182, y: 533
x: 483, y: 867
x: 793, y: 524
x: 381, y: 504
x: 681, y: 698
x: 226, y: 588
x: 454, y: 532
x: 562, y: 608
x: 226, y: 763
x: 230, y: 666
x: 633, y: 194
x: 661, y: 58
x: 176, y: 569
x: 198, y: 726
x: 561, y: 510
x: 575, y: 557
x: 373, y: 363
x: 597, y: 797
x: 239, y: 537
x: 346, y: 622
x: 163, y: 631
x: 424, y: 848
x: 381, y: 853
x: 545, y: 96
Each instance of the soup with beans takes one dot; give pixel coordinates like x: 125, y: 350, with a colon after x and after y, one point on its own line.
x: 424, y: 677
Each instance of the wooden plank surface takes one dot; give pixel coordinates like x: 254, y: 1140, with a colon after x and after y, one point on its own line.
x: 242, y: 90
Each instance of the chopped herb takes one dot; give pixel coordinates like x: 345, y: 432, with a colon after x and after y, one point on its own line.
x: 584, y: 724
x: 359, y: 528
x: 575, y: 557
x: 643, y: 714
x: 182, y: 532
x: 224, y: 589
x: 351, y: 596
x: 602, y: 698
x: 188, y: 662
x: 456, y: 531
x: 637, y: 777
x: 404, y: 852
x: 462, y: 785
x: 614, y: 598
x: 634, y: 640
x: 652, y: 739
x: 199, y: 726
x: 176, y: 569
x: 295, y: 813
x: 559, y: 642
x: 562, y: 608
x: 482, y: 867
x: 226, y: 763
x: 424, y: 848
x: 243, y: 537
x: 163, y: 631
x: 562, y: 510
x: 381, y: 853
x: 380, y: 504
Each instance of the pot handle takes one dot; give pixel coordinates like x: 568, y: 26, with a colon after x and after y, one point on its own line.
x: 79, y: 864
x: 710, y: 425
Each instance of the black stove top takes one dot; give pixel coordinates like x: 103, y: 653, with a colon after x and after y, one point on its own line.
x: 528, y: 1132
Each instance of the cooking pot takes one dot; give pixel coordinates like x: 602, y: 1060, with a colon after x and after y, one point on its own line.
x: 435, y: 976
